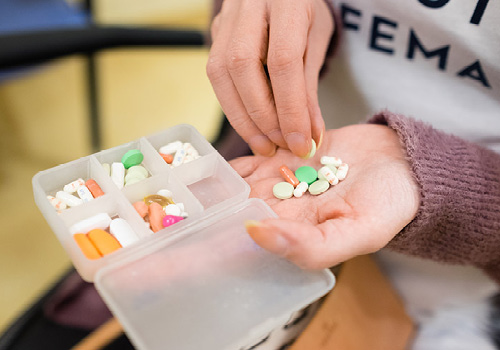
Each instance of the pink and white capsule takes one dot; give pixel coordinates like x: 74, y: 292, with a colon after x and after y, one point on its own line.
x: 73, y: 186
x: 325, y: 173
x: 342, y: 171
x: 300, y: 189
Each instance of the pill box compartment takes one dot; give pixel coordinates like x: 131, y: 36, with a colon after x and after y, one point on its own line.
x: 210, y: 287
x: 204, y: 273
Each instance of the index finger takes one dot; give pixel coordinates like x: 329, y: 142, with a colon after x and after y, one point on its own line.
x: 288, y: 33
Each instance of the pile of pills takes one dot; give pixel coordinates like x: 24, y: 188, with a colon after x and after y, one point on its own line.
x: 307, y: 178
x: 101, y: 235
x: 177, y: 153
x: 159, y: 210
x: 85, y: 192
x: 129, y: 171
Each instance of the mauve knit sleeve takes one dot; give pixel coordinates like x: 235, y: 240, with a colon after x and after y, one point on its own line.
x: 459, y: 216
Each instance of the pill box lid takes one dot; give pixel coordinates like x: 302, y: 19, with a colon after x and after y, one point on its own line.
x: 209, y: 288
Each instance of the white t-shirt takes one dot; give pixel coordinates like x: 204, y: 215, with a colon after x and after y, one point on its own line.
x: 437, y: 61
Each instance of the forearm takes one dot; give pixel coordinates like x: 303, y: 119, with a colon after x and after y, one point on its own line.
x: 459, y: 216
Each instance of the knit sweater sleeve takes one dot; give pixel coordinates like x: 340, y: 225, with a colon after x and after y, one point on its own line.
x: 459, y: 216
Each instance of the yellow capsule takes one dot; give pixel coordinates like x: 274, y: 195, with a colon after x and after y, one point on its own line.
x: 156, y: 198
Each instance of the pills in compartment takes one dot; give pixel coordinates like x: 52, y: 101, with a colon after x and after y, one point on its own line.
x: 129, y: 170
x: 177, y: 153
x: 100, y: 235
x: 159, y: 210
x: 308, y: 179
x: 75, y: 193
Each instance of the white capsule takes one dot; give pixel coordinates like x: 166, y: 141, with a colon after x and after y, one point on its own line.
x: 326, y: 160
x: 68, y: 199
x: 165, y: 193
x: 118, y: 174
x: 107, y: 168
x: 57, y: 203
x: 84, y: 193
x: 101, y: 221
x: 179, y: 157
x: 300, y: 189
x: 73, y: 186
x: 171, y: 147
x: 325, y: 173
x: 123, y: 232
x: 190, y: 150
x: 342, y: 171
x: 173, y: 209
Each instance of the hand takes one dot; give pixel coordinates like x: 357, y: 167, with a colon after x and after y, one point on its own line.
x: 290, y: 37
x: 360, y: 215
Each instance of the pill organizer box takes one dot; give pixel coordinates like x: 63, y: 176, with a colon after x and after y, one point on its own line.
x: 201, y: 283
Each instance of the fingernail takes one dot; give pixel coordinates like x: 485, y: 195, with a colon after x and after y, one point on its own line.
x: 267, y: 237
x: 312, y: 152
x: 321, y: 139
x: 260, y: 144
x: 297, y: 143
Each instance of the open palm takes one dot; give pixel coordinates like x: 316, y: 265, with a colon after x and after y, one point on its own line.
x: 360, y: 215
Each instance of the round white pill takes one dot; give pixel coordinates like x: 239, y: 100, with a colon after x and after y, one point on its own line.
x: 123, y: 232
x: 165, y: 193
x: 173, y: 209
x: 283, y: 190
x: 318, y: 187
x: 138, y: 169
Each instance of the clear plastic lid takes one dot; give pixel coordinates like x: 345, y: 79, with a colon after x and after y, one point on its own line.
x: 209, y: 288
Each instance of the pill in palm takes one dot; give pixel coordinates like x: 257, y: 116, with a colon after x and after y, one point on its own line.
x: 118, y: 174
x: 73, y: 186
x: 325, y: 173
x: 123, y: 232
x: 289, y: 176
x: 283, y: 190
x: 318, y: 187
x: 300, y: 189
x: 68, y: 199
x: 327, y: 160
x: 306, y: 174
x: 342, y: 171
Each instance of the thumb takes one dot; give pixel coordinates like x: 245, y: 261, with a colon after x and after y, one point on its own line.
x: 314, y: 247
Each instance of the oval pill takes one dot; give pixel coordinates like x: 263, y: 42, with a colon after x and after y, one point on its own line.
x: 179, y: 157
x: 283, y: 190
x: 118, y: 174
x: 123, y: 232
x: 173, y: 209
x: 68, y: 199
x: 86, y: 246
x: 94, y: 188
x: 289, y: 176
x: 342, y: 171
x: 73, y: 186
x: 101, y: 220
x: 132, y: 157
x: 306, y: 174
x: 84, y: 193
x: 104, y: 242
x: 318, y: 187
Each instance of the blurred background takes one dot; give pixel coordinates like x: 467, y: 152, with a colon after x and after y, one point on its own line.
x: 45, y: 120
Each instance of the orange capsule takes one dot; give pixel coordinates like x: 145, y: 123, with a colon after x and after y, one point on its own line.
x: 167, y: 158
x: 94, y: 188
x: 88, y: 249
x: 103, y: 241
x: 141, y: 208
x: 156, y: 214
x: 289, y: 176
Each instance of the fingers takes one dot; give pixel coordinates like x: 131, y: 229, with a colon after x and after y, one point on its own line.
x: 316, y: 247
x: 289, y: 25
x: 223, y: 84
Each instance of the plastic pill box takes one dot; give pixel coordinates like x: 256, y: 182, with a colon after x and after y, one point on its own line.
x: 201, y: 283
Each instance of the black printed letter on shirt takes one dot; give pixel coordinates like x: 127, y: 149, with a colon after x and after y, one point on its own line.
x: 414, y: 42
x: 346, y: 10
x: 377, y: 34
x: 475, y: 71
